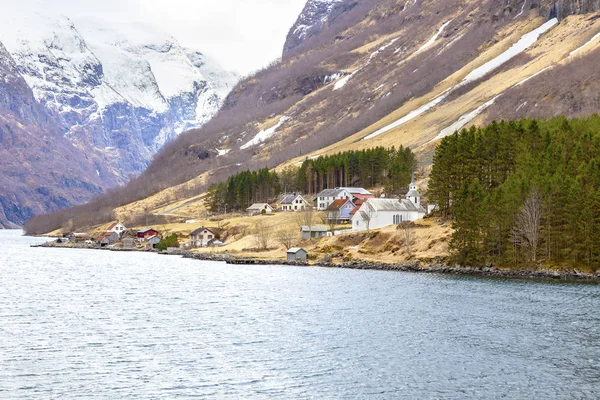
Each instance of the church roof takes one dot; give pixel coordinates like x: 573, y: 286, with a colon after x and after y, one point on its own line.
x: 393, y: 205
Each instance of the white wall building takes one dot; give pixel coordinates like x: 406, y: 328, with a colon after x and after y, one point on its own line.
x: 328, y: 196
x: 379, y: 213
x: 294, y: 202
x: 117, y: 227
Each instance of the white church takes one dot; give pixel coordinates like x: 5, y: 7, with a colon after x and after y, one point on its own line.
x: 379, y: 213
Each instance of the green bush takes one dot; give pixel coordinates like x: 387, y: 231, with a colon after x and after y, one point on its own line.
x: 166, y: 242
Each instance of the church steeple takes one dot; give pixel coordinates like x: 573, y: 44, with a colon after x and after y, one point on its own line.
x: 413, y: 192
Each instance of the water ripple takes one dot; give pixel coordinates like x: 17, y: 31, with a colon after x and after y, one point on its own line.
x: 83, y: 324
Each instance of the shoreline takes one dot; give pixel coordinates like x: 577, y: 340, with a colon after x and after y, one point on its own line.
x: 415, y: 267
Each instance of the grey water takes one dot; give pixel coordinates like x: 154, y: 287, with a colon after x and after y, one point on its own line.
x: 79, y: 324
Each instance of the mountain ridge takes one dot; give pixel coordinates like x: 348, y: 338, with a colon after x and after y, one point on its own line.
x: 117, y: 92
x: 370, y: 69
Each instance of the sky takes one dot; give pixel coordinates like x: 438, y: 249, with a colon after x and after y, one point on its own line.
x: 242, y: 35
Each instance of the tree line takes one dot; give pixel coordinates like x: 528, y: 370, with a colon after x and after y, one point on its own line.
x: 366, y: 168
x: 521, y: 193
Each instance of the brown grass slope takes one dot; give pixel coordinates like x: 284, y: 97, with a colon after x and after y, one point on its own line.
x: 389, y: 77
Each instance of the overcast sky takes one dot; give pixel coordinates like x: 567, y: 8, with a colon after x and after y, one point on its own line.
x: 243, y: 35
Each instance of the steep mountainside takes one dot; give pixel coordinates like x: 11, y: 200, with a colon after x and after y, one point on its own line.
x: 389, y: 73
x: 116, y: 93
x: 35, y: 158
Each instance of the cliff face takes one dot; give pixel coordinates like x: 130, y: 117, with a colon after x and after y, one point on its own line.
x: 41, y: 170
x: 389, y: 73
x: 115, y: 93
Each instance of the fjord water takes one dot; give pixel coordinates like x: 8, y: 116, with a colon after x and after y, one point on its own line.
x: 95, y: 324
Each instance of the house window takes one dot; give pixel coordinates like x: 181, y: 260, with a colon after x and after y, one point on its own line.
x: 210, y: 236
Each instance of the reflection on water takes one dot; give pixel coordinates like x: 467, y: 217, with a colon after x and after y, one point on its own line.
x: 94, y: 324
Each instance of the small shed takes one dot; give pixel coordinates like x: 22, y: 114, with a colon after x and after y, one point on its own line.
x: 153, y: 241
x: 297, y: 254
x: 312, y: 232
x: 109, y: 238
x: 128, y: 242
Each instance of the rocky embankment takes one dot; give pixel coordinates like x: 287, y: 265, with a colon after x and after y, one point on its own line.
x: 327, y: 262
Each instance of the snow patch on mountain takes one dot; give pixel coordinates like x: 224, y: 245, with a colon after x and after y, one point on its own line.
x: 264, y: 135
x: 526, y: 41
x: 470, y: 116
x: 586, y: 44
x: 433, y: 38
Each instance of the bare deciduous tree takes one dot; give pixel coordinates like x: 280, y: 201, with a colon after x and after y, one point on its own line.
x: 287, y: 238
x: 527, y: 225
x: 262, y: 233
x: 305, y: 217
x: 408, y: 236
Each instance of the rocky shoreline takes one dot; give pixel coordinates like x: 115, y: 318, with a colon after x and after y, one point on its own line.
x: 434, y: 268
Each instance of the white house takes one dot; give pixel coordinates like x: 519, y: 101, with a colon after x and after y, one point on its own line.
x: 378, y: 213
x: 294, y: 202
x: 201, y: 237
x: 328, y: 196
x: 117, y: 227
x: 259, y: 208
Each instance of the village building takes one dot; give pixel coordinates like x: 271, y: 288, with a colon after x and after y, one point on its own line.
x: 128, y: 242
x: 152, y: 241
x: 339, y: 211
x: 328, y: 196
x: 312, y: 232
x: 259, y: 208
x: 215, y: 243
x: 378, y: 213
x: 79, y: 236
x: 294, y: 202
x: 359, y: 193
x: 117, y: 227
x: 201, y: 237
x: 108, y: 238
x: 146, y: 233
x: 297, y: 254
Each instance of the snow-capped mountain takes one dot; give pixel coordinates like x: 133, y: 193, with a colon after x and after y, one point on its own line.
x: 123, y: 87
x: 116, y: 92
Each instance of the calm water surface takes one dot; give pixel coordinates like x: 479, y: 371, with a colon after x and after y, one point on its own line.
x: 92, y: 324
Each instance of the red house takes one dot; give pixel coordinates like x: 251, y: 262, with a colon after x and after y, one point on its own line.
x: 147, y: 233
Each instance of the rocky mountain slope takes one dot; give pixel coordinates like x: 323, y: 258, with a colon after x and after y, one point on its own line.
x: 115, y: 93
x: 389, y: 73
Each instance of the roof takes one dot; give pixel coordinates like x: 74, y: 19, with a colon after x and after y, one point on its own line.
x: 338, y: 204
x: 154, y: 236
x: 413, y: 193
x: 295, y: 250
x: 112, y: 226
x: 355, y: 210
x: 257, y: 206
x: 330, y: 192
x: 306, y: 228
x: 355, y: 190
x: 363, y: 196
x: 147, y: 230
x: 392, y: 205
x: 200, y: 230
x: 289, y: 199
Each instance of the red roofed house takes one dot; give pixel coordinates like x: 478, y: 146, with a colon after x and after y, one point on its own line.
x: 339, y: 210
x: 146, y: 233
